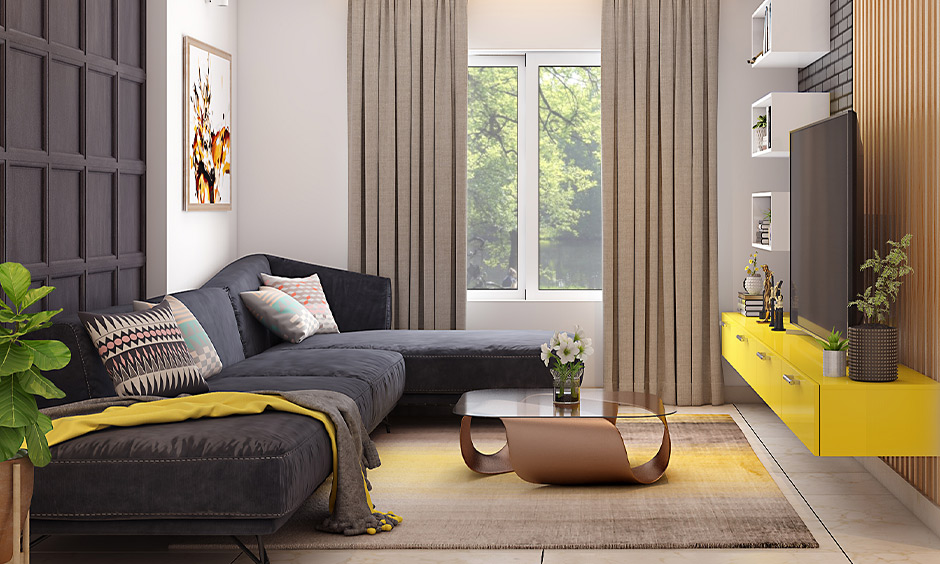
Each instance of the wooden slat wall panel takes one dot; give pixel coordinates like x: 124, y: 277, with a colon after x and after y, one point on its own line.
x: 72, y: 131
x: 897, y: 96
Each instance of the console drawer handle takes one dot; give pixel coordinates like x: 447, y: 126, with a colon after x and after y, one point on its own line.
x: 741, y: 338
x: 722, y: 324
x: 792, y: 380
x: 761, y: 356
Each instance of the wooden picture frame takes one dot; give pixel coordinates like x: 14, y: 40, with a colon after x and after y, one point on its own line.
x: 207, y: 127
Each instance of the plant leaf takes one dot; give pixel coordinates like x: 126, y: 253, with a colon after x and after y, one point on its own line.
x: 37, y: 445
x: 11, y: 439
x: 34, y: 295
x: 34, y: 382
x: 15, y: 280
x: 40, y: 319
x: 48, y: 355
x: 9, y: 316
x: 14, y: 358
x: 17, y: 407
x: 44, y: 422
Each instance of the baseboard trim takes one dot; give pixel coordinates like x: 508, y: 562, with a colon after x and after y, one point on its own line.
x: 741, y: 394
x: 920, y: 506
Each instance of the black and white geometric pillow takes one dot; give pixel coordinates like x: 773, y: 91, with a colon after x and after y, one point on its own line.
x: 144, y: 352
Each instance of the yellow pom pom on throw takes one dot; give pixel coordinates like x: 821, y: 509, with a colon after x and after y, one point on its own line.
x: 371, y: 530
x: 386, y: 527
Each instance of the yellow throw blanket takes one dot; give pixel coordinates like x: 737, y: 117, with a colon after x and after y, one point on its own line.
x: 215, y: 404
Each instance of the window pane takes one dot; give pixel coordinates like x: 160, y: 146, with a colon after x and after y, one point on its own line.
x: 492, y: 178
x: 569, y: 178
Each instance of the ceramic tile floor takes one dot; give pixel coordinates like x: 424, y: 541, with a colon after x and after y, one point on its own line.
x: 852, y: 516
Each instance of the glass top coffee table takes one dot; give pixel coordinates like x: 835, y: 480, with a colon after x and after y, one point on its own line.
x: 549, y: 444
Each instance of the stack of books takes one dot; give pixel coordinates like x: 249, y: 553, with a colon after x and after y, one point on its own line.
x: 749, y: 305
x: 763, y: 232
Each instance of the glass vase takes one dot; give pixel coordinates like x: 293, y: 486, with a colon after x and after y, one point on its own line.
x: 567, y: 385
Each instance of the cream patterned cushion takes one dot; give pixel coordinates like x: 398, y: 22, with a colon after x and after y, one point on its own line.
x: 196, y: 338
x: 281, y: 314
x: 309, y: 292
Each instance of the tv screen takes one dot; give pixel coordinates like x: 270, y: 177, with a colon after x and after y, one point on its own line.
x: 824, y: 216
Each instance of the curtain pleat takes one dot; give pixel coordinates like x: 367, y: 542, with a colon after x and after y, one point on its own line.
x: 659, y: 61
x: 407, y: 104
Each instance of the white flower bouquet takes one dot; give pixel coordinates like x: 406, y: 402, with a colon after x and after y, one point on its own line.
x: 566, y: 356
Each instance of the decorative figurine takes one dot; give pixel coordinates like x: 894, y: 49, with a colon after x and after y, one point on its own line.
x: 766, y: 314
x: 778, y: 308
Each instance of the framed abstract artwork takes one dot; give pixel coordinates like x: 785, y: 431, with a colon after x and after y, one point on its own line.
x: 207, y: 127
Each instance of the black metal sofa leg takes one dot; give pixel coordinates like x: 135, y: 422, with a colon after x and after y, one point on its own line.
x: 261, y: 558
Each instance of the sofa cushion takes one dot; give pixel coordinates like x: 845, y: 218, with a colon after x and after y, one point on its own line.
x: 244, y: 275
x: 238, y: 467
x: 194, y: 335
x: 451, y: 362
x: 213, y: 308
x: 144, y: 352
x: 281, y: 314
x: 309, y: 292
x: 373, y: 379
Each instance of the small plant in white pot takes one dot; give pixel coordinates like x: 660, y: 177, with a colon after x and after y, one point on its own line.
x: 873, y: 351
x: 834, y: 349
x: 21, y: 361
x: 753, y: 284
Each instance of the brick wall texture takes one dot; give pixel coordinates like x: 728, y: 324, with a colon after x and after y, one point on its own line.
x: 833, y: 71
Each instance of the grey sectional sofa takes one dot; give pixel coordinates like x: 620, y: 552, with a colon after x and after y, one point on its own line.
x: 246, y: 475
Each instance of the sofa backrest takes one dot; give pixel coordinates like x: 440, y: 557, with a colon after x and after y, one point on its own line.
x: 85, y: 376
x: 244, y: 275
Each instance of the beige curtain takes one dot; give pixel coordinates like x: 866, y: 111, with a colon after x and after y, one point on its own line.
x: 659, y: 96
x: 407, y: 104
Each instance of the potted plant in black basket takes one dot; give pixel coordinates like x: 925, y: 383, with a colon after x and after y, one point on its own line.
x: 21, y: 361
x: 873, y: 346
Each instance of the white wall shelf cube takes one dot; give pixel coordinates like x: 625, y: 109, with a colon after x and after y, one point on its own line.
x: 785, y: 112
x: 779, y: 205
x: 797, y: 33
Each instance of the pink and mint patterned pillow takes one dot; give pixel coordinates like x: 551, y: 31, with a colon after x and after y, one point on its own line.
x: 281, y: 314
x: 144, y: 352
x: 309, y: 292
x: 197, y: 340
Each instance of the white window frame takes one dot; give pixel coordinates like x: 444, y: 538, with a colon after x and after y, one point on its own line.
x: 528, y: 64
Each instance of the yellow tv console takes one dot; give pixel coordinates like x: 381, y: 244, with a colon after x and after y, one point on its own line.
x: 833, y: 416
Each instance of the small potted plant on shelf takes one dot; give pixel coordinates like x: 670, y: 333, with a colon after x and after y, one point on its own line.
x: 760, y: 126
x: 753, y: 284
x: 873, y: 346
x: 21, y: 361
x: 566, y: 355
x: 834, y: 348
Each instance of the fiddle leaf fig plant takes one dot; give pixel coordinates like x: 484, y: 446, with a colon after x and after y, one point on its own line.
x: 875, y: 302
x: 21, y: 363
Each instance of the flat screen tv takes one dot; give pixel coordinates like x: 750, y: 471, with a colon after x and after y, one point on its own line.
x: 825, y: 224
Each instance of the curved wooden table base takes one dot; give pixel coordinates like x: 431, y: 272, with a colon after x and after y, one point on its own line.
x: 562, y: 450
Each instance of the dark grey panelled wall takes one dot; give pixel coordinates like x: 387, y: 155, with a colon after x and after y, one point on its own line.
x: 72, y: 119
x: 833, y: 72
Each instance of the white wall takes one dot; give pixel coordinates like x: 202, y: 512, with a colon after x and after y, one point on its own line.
x: 739, y: 175
x: 184, y: 249
x: 534, y: 24
x: 293, y: 131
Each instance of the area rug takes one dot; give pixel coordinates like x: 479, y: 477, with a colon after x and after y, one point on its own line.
x: 715, y: 494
